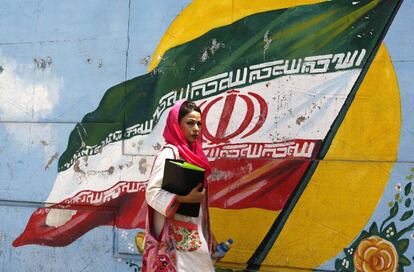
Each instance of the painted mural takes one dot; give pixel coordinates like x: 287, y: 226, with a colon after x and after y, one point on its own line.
x: 307, y: 127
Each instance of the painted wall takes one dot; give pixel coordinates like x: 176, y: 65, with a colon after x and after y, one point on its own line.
x: 57, y: 61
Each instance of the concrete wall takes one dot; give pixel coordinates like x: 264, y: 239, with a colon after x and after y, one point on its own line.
x: 57, y: 60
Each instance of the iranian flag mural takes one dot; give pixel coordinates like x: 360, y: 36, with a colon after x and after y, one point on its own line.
x: 274, y: 88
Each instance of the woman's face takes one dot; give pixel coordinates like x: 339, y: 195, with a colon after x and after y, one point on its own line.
x: 190, y: 126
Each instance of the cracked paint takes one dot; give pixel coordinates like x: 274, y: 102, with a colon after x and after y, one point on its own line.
x: 107, y: 172
x: 99, y: 62
x: 219, y: 175
x: 83, y: 144
x: 44, y: 143
x: 157, y: 146
x: 146, y: 60
x: 127, y: 165
x: 300, y: 119
x: 143, y: 166
x: 267, y: 41
x: 10, y: 170
x: 212, y: 49
x: 204, y: 56
x: 59, y: 217
x: 54, y: 157
x: 42, y: 64
x: 138, y: 145
x: 77, y: 169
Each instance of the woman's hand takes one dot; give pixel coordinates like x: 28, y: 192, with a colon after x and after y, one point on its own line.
x: 214, y: 244
x: 192, y: 197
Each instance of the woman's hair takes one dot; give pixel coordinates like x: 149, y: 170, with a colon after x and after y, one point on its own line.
x: 187, y: 107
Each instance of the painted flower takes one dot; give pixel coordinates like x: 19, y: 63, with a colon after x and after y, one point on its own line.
x: 375, y: 254
x: 398, y: 187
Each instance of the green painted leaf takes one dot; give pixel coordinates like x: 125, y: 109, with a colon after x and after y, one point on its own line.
x: 402, y: 245
x: 391, y: 203
x: 394, y: 210
x: 406, y: 215
x: 410, y: 177
x: 397, y: 196
x: 407, y: 188
x: 338, y: 264
x: 390, y: 226
x: 407, y: 202
x: 374, y: 229
x: 393, y: 213
x: 404, y: 261
x: 346, y: 252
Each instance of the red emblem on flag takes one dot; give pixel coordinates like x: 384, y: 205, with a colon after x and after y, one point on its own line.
x: 222, y: 135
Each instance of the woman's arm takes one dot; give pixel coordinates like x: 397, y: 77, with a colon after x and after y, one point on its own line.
x: 160, y: 200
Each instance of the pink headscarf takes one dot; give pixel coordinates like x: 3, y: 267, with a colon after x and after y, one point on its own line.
x: 173, y: 135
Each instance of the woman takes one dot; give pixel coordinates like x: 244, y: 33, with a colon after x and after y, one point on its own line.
x: 186, y: 242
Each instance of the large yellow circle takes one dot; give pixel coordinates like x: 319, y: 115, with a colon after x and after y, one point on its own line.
x: 346, y: 186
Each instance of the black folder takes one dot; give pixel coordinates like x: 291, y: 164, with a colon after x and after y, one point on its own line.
x: 180, y: 178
